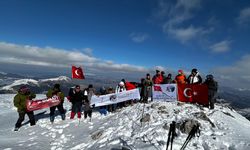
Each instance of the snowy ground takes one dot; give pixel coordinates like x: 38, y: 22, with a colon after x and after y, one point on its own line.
x: 124, y: 129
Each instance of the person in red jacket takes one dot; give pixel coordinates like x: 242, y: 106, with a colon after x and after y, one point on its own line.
x: 129, y: 86
x: 157, y: 79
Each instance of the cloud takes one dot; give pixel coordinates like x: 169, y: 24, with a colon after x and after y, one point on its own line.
x: 53, y: 57
x: 244, y: 17
x: 177, y: 17
x: 180, y: 12
x: 139, y: 37
x: 88, y: 51
x: 186, y: 34
x: 237, y: 75
x: 221, y: 47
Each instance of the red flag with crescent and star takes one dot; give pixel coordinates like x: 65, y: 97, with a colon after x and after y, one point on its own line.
x: 157, y: 88
x: 77, y: 73
x: 193, y: 93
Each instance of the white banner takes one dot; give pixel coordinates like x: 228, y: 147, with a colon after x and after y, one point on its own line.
x: 115, y: 97
x: 165, y: 92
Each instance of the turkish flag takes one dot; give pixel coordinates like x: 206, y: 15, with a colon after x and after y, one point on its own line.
x: 193, y: 93
x: 77, y: 73
x: 157, y: 88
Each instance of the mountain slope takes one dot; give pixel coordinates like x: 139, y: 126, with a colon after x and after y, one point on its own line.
x: 37, y: 86
x: 221, y: 128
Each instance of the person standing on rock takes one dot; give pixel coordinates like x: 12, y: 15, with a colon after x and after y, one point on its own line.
x: 212, y: 90
x: 147, y: 88
x: 194, y: 77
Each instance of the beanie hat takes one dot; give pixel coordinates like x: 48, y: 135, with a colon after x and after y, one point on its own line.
x: 57, y: 86
x: 209, y: 76
x: 180, y: 71
x: 24, y: 89
x: 194, y: 70
x: 121, y: 83
x: 90, y: 86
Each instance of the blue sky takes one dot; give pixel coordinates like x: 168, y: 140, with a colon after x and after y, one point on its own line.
x: 129, y: 35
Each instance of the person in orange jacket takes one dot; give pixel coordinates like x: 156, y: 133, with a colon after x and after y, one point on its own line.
x: 180, y: 78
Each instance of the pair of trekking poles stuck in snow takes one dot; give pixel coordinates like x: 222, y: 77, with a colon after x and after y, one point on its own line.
x: 172, y: 135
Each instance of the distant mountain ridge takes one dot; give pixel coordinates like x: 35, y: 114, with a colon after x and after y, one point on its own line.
x: 9, y: 83
x: 37, y: 86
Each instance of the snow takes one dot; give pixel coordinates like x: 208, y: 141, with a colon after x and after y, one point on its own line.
x: 3, y: 73
x: 60, y: 78
x: 31, y: 81
x: 124, y: 129
x: 20, y: 82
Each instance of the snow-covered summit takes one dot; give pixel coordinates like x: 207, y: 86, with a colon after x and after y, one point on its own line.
x: 60, y: 78
x: 20, y: 82
x: 10, y: 85
x: 221, y: 128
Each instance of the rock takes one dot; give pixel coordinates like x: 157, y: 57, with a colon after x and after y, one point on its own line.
x: 97, y: 135
x: 155, y: 105
x: 165, y: 126
x: 226, y: 113
x: 162, y: 112
x: 187, y: 125
x: 162, y: 107
x: 145, y: 118
x: 125, y: 148
x: 203, y: 116
x: 180, y: 104
x: 177, y: 111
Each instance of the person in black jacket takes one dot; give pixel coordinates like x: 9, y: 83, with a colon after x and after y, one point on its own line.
x: 168, y: 79
x: 194, y: 77
x: 76, y: 98
x: 212, y: 90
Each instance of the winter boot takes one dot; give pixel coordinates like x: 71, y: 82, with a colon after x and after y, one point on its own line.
x: 32, y: 122
x: 16, y: 129
x: 79, y: 115
x: 72, y: 115
x: 63, y: 116
x: 52, y: 118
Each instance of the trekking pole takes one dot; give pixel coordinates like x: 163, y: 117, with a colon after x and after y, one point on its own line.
x: 173, y: 134
x: 190, y: 136
x: 169, y: 134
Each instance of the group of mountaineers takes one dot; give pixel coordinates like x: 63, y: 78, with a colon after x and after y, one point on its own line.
x: 81, y: 99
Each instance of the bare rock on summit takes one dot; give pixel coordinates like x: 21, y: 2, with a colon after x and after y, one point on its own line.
x: 187, y: 125
x: 162, y: 108
x: 145, y: 118
x: 96, y: 135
